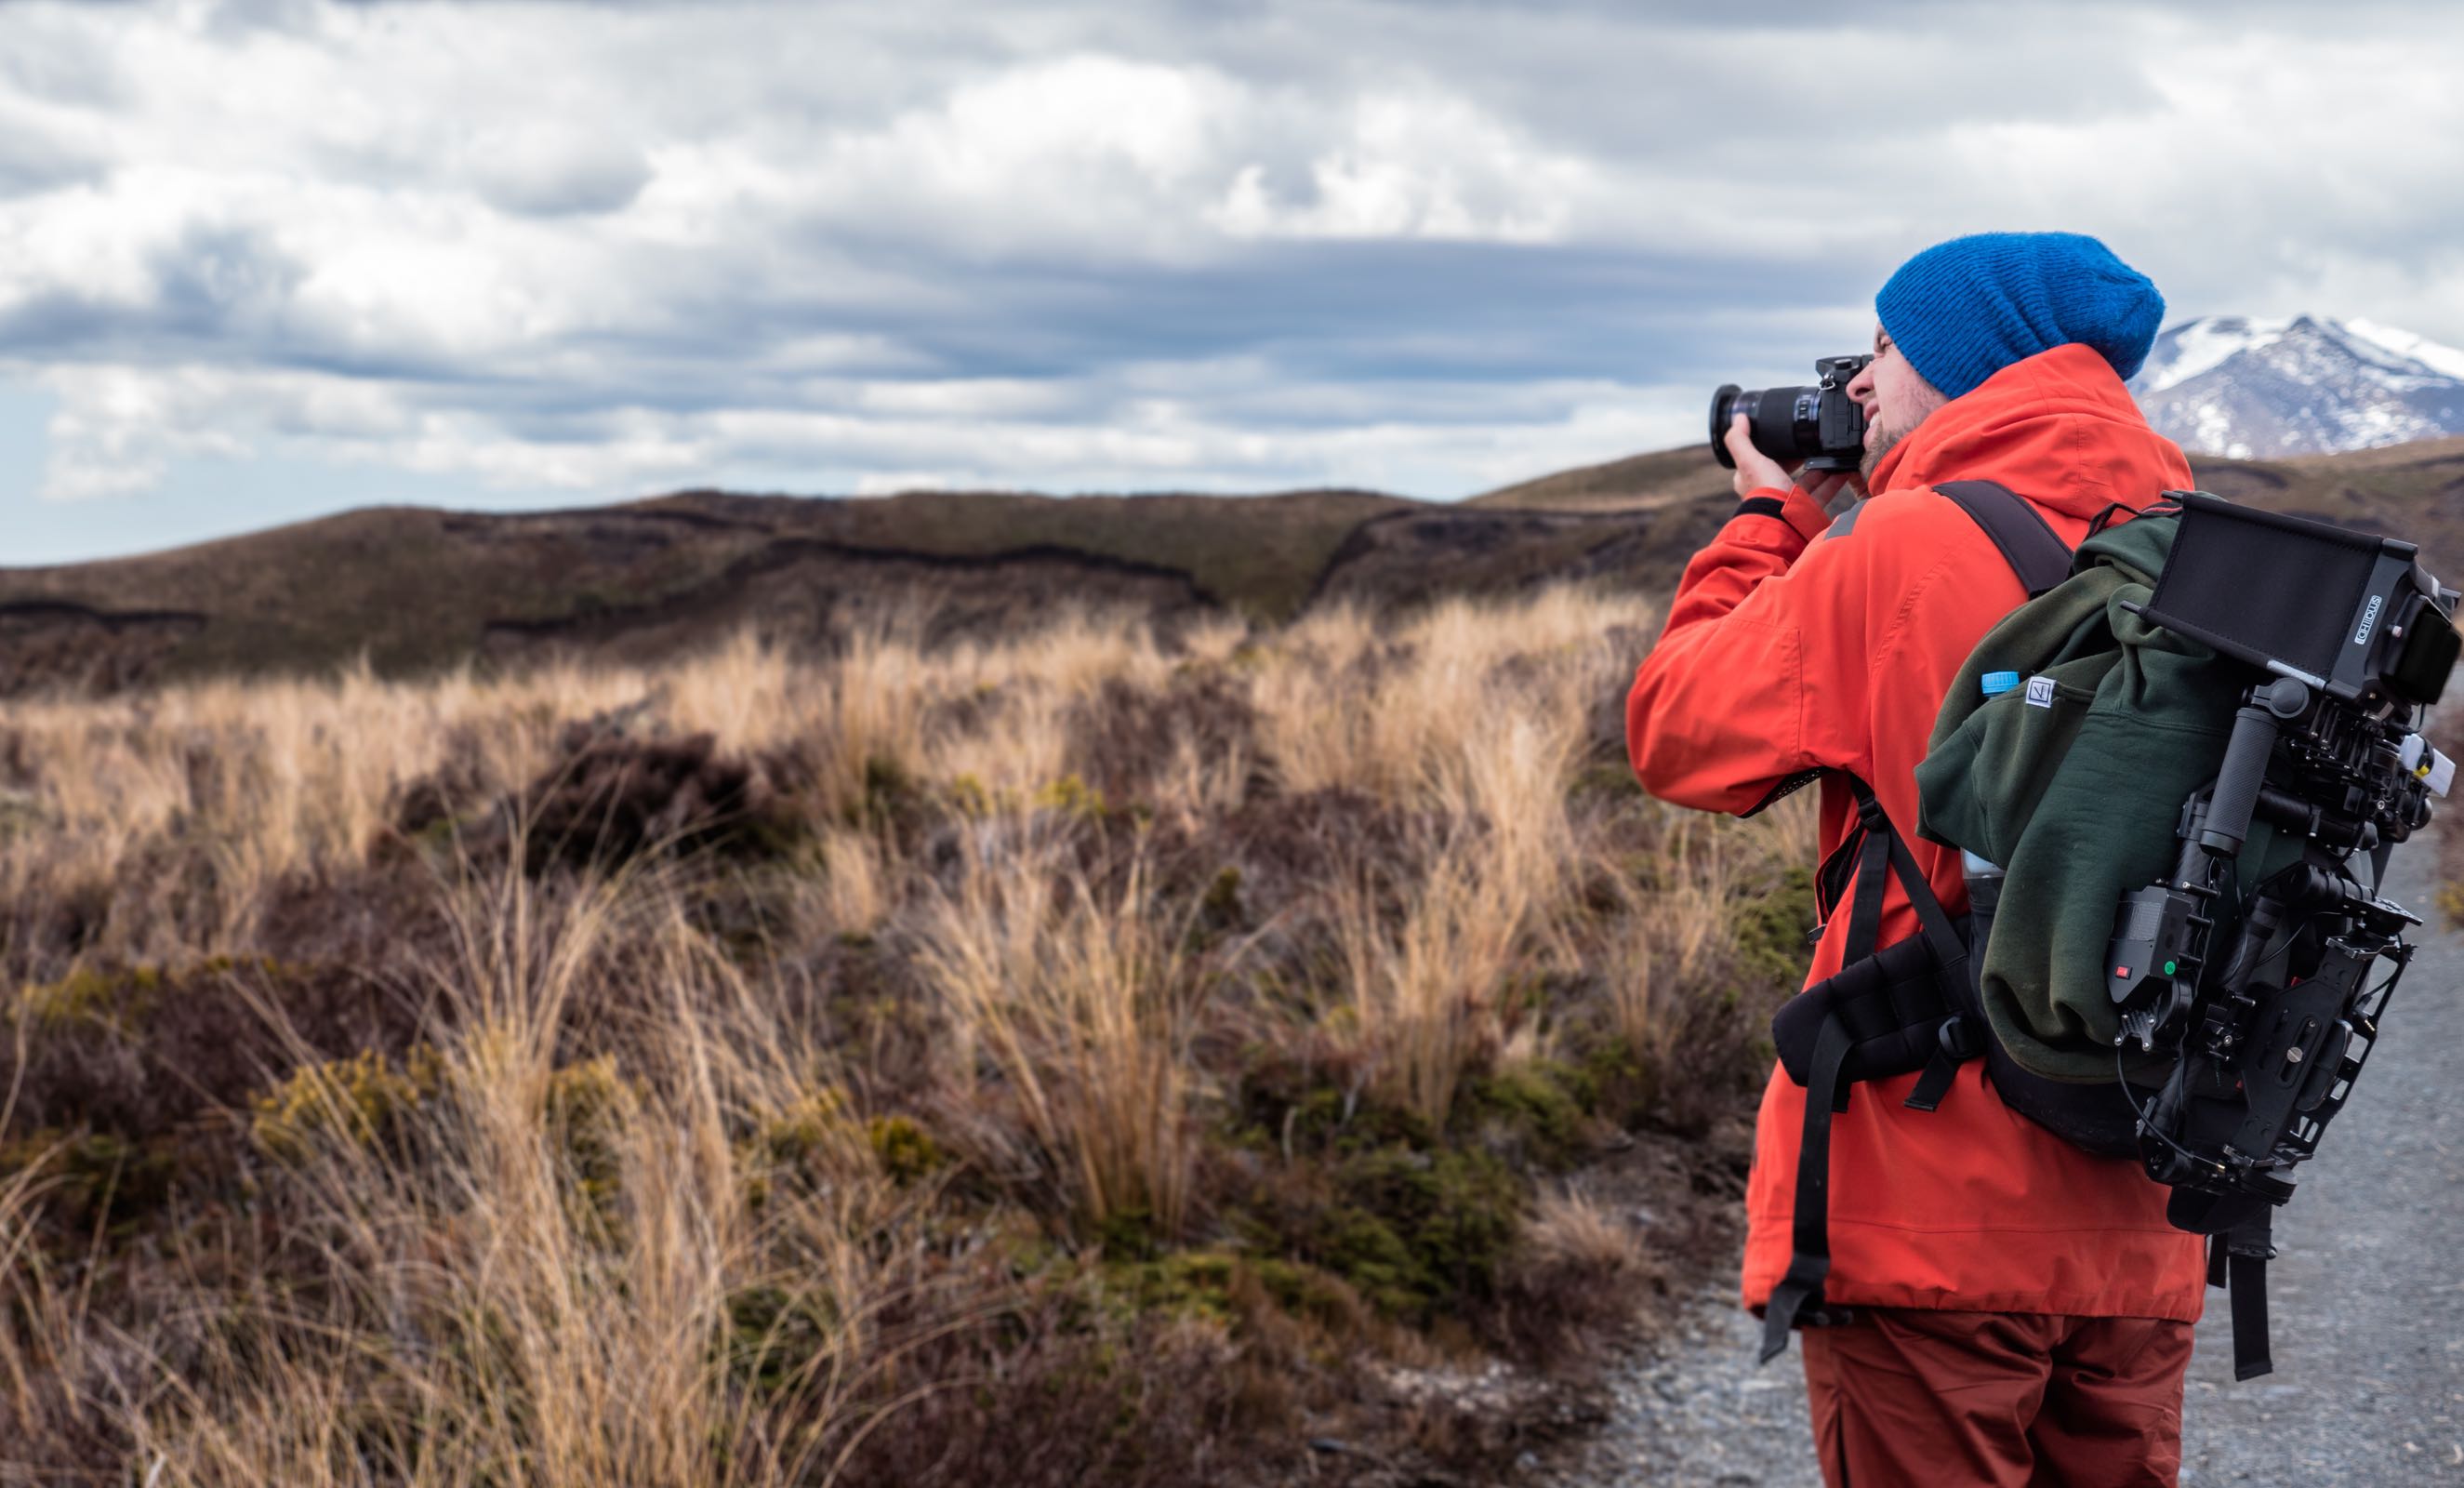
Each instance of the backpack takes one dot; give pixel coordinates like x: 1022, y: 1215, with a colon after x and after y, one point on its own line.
x: 2073, y: 826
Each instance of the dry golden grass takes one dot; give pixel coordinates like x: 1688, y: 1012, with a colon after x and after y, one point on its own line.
x: 736, y: 1164
x: 1078, y: 997
x: 1570, y: 1229
x: 567, y: 1345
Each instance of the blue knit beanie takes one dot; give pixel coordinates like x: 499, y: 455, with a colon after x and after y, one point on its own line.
x: 1962, y: 311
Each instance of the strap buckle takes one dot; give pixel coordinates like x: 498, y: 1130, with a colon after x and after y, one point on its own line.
x: 1959, y: 1040
x: 1955, y: 1043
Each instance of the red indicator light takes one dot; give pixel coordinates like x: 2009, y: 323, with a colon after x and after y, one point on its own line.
x: 2122, y: 971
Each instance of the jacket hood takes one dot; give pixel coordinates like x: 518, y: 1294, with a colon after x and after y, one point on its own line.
x: 2059, y: 428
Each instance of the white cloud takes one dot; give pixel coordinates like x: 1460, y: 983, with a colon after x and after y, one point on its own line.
x: 116, y: 430
x: 1406, y: 165
x: 555, y: 167
x: 604, y: 249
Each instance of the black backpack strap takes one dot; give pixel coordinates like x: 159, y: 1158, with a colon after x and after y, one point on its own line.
x: 1798, y: 1298
x: 1879, y: 844
x: 2237, y: 1260
x: 1913, y: 1002
x: 2040, y: 558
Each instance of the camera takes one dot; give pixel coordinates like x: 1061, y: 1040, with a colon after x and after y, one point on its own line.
x: 1821, y: 425
x: 2267, y: 998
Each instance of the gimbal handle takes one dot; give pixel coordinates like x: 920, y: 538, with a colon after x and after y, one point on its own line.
x: 2245, y: 768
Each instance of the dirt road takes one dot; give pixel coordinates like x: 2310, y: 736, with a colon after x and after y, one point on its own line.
x: 2367, y: 1302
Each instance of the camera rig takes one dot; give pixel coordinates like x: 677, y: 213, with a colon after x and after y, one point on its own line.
x: 2269, y: 1002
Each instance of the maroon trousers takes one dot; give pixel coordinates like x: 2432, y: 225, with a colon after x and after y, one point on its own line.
x: 1905, y: 1396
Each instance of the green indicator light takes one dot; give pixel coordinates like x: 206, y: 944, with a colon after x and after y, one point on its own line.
x: 2168, y: 969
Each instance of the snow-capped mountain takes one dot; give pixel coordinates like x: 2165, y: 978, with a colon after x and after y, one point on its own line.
x: 2252, y: 388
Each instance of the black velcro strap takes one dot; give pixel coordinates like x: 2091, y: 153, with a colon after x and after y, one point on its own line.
x: 2247, y: 1248
x: 1950, y: 946
x: 1811, y: 1224
x: 1787, y: 787
x: 1866, y: 910
x: 1830, y: 879
x: 1761, y: 506
x: 2249, y: 1293
x: 2028, y: 543
x: 1950, y: 1049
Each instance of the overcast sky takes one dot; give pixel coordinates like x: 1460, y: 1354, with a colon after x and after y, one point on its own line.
x: 261, y: 260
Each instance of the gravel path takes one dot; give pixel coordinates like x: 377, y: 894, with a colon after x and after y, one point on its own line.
x: 2367, y: 1304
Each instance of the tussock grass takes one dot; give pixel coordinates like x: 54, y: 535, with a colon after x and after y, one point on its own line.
x: 1079, y: 999
x: 1039, y: 1062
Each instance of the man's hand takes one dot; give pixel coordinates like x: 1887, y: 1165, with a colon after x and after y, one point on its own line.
x: 1758, y: 472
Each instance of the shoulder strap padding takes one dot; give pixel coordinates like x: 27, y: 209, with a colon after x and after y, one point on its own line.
x: 2040, y: 558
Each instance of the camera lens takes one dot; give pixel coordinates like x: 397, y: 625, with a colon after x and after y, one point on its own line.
x: 1724, y: 407
x: 1784, y: 423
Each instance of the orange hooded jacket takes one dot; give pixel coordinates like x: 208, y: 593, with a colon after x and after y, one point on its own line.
x: 1795, y: 642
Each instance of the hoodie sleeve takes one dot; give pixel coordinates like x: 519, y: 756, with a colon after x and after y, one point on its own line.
x: 1761, y: 671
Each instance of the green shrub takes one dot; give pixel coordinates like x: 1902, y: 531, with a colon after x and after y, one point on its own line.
x: 905, y: 1150
x: 363, y: 1101
x: 1540, y: 1106
x: 1412, y: 1232
x: 589, y: 1104
x: 774, y: 1339
x: 1769, y: 930
x: 94, y: 1176
x: 111, y: 998
x: 1071, y: 796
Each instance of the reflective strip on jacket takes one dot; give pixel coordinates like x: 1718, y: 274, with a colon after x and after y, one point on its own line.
x: 1794, y: 643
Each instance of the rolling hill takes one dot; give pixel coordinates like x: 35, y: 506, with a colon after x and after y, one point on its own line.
x: 414, y: 589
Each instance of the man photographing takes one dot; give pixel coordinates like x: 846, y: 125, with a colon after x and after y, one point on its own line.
x: 2000, y: 1306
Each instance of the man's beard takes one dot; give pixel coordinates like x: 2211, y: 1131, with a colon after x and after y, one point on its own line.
x: 1883, y: 440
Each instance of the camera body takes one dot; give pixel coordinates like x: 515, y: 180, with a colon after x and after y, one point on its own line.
x: 1820, y: 426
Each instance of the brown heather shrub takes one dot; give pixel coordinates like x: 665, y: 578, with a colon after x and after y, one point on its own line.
x: 609, y: 798
x: 1160, y: 746
x: 1039, y: 1395
x: 1090, y: 1058
x: 461, y: 786
x: 140, y: 1054
x: 1579, y: 1273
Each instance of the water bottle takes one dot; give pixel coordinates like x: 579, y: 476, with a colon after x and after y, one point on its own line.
x: 1984, y: 878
